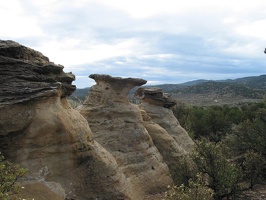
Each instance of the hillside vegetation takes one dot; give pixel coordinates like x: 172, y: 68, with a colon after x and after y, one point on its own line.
x: 230, y: 152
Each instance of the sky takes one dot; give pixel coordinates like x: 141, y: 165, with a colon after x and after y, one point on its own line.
x: 161, y: 41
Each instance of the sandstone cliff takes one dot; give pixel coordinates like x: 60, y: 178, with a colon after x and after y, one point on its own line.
x: 40, y: 131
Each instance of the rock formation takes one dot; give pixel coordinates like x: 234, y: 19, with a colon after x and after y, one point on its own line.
x: 40, y: 131
x: 170, y: 138
x: 154, y: 96
x: 118, y: 126
x: 107, y: 149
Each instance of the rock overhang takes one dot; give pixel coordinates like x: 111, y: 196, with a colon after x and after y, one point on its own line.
x: 154, y: 96
x: 27, y: 74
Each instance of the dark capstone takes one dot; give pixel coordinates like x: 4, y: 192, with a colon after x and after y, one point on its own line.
x: 108, y: 78
x: 154, y: 96
x: 26, y: 74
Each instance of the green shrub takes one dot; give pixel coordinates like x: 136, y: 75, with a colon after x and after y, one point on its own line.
x: 195, y: 190
x: 9, y: 174
x: 253, y: 167
x: 223, y: 175
x: 184, y: 171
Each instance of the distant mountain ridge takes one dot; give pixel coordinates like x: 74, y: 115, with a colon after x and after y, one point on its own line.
x: 256, y: 82
x: 246, y: 88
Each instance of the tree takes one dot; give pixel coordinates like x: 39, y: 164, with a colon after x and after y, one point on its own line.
x: 182, y: 112
x: 250, y: 135
x: 253, y: 166
x: 184, y: 171
x: 212, y: 160
x: 214, y: 122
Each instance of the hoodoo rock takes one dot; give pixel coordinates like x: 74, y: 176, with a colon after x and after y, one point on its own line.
x: 107, y: 149
x: 40, y: 131
x: 118, y: 126
x: 162, y: 125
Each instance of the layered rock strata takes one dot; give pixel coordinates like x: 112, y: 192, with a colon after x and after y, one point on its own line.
x: 123, y: 154
x: 27, y: 74
x: 118, y: 126
x: 40, y: 131
x: 171, y: 139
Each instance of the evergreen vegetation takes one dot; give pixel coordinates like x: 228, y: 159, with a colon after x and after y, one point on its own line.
x: 230, y: 150
x: 9, y: 174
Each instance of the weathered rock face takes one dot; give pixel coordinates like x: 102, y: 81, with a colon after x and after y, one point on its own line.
x: 124, y: 154
x: 171, y: 139
x: 39, y: 130
x: 170, y: 150
x: 27, y: 74
x: 118, y: 126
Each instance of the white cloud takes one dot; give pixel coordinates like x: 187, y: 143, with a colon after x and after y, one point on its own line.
x: 67, y: 52
x: 248, y: 50
x: 149, y: 8
x: 230, y: 20
x: 253, y: 29
x: 15, y: 23
x: 155, y: 39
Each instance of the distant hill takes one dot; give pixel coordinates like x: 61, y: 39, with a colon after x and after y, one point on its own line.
x: 196, y: 82
x: 212, y: 93
x: 221, y: 89
x: 208, y: 92
x: 80, y: 94
x: 255, y: 82
x: 258, y: 82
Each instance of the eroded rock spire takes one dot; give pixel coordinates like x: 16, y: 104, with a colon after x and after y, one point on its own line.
x: 118, y: 126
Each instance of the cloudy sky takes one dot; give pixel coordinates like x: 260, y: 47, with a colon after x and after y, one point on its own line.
x: 162, y: 41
